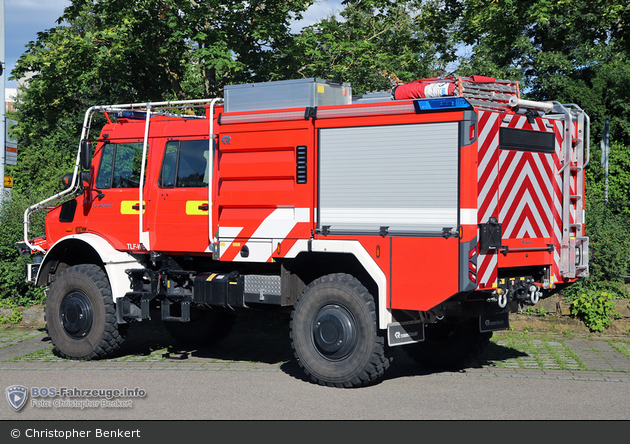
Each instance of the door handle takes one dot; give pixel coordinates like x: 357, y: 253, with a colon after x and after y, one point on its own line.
x: 203, y: 207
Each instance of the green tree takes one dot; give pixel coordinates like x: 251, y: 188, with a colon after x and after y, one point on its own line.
x: 618, y: 178
x: 234, y: 41
x: 608, y: 221
x: 369, y: 44
x: 572, y: 51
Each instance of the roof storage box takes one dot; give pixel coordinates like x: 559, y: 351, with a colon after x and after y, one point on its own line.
x: 286, y: 94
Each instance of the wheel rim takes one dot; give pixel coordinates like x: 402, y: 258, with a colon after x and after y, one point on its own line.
x: 76, y: 314
x: 334, y: 332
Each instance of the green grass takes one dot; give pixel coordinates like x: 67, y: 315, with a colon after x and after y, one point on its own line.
x: 621, y: 345
x: 535, y: 350
x: 9, y: 337
x: 44, y: 355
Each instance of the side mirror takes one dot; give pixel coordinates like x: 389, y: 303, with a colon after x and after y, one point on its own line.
x: 84, y: 176
x: 86, y: 154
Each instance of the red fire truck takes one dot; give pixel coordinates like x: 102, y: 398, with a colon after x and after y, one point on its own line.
x: 419, y: 217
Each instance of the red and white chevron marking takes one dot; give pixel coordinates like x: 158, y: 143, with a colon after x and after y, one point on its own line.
x: 488, y: 189
x: 521, y: 189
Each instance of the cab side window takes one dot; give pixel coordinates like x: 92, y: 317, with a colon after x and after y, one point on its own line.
x: 120, y: 166
x: 185, y: 164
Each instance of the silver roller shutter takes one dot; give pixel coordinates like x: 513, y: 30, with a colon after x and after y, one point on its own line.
x: 404, y: 177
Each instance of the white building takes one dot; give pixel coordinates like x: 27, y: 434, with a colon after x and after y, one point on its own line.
x: 10, y: 96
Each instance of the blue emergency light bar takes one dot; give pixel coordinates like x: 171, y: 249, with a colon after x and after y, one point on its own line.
x: 130, y: 115
x: 441, y: 104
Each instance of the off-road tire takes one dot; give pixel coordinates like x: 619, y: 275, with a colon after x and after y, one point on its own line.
x: 450, y: 345
x: 206, y: 327
x: 80, y: 314
x: 334, y: 333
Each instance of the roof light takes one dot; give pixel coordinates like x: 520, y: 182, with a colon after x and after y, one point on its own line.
x: 442, y: 103
x: 130, y: 115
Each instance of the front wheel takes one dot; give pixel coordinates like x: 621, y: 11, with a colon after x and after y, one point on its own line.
x: 334, y: 333
x: 80, y: 314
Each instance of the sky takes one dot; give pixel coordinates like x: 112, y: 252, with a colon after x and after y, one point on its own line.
x: 25, y: 18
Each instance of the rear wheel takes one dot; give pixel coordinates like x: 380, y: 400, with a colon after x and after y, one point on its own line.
x: 80, y: 314
x: 450, y: 345
x: 334, y: 333
x: 206, y: 327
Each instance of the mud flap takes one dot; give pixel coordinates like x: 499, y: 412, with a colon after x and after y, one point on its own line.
x: 494, y: 322
x: 401, y: 333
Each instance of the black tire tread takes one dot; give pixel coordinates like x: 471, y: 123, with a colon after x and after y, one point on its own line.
x: 380, y: 360
x: 112, y: 338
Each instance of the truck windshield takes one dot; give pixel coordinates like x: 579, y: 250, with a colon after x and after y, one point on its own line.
x: 120, y: 166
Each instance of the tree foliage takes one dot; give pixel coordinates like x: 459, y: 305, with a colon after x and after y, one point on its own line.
x: 609, y: 236
x: 13, y: 286
x: 371, y: 44
x: 618, y: 178
x: 571, y: 51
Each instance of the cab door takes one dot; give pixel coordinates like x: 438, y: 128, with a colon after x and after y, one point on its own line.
x: 180, y: 222
x: 112, y: 205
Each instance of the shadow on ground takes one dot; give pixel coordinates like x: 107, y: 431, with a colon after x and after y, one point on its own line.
x: 404, y: 366
x: 256, y: 337
x: 263, y: 337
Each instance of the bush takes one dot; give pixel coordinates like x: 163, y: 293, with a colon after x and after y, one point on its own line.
x: 596, y: 309
x: 14, y: 289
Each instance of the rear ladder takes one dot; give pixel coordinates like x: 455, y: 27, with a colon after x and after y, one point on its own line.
x: 574, y: 245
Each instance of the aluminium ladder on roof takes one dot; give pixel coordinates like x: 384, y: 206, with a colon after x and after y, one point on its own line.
x: 493, y: 96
